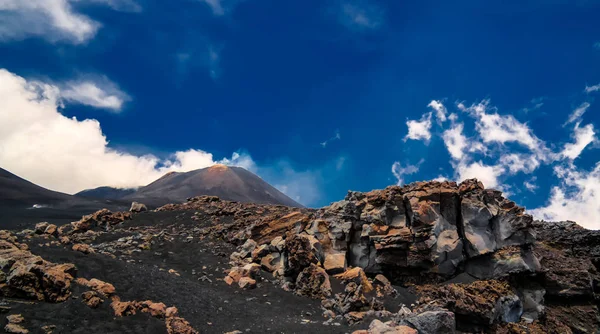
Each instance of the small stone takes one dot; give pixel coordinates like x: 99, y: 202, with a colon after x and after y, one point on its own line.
x: 83, y: 248
x: 247, y: 283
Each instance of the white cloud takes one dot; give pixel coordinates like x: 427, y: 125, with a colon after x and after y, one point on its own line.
x: 577, y: 113
x: 216, y: 6
x: 576, y: 199
x: 518, y: 162
x: 488, y: 175
x: 502, y: 129
x: 55, y: 20
x: 97, y: 92
x: 591, y: 89
x: 440, y: 110
x: 455, y: 141
x: 583, y: 137
x: 399, y: 171
x: 360, y: 15
x: 419, y: 130
x: 65, y: 154
x: 530, y: 185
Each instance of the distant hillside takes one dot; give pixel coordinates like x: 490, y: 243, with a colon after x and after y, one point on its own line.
x: 106, y: 193
x: 228, y: 183
x: 16, y: 191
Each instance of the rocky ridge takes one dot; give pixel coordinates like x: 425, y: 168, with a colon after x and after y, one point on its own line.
x: 430, y: 257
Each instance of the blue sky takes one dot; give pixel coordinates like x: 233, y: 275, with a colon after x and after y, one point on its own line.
x: 317, y: 97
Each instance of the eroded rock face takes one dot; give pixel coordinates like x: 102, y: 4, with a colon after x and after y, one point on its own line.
x: 478, y: 304
x: 426, y: 228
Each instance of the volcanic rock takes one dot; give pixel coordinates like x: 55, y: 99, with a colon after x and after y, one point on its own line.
x: 83, y: 248
x: 313, y: 282
x: 91, y: 299
x: 138, y: 207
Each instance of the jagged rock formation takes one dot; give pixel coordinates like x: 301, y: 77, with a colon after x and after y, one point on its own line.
x: 433, y: 229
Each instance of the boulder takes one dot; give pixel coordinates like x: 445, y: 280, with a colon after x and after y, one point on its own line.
x: 40, y: 228
x: 178, y: 325
x: 433, y: 322
x: 247, y: 248
x: 138, y: 207
x: 358, y: 276
x: 335, y: 262
x: 91, y: 299
x: 83, y: 248
x: 157, y: 310
x: 313, y: 282
x: 247, y: 283
x: 106, y: 289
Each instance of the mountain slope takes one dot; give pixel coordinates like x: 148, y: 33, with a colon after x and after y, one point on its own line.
x: 228, y: 183
x: 105, y: 193
x: 16, y: 191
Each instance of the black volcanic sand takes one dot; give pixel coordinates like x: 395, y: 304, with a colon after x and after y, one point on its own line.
x: 210, y: 307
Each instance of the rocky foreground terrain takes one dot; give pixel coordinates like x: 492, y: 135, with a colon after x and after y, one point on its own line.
x: 429, y: 257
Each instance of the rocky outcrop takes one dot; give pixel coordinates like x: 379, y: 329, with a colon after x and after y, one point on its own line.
x: 102, y: 218
x: 425, y: 232
x: 29, y: 276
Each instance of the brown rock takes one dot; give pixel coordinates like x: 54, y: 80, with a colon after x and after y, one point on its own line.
x: 122, y: 308
x: 97, y: 285
x: 335, y: 262
x: 15, y: 318
x: 14, y: 328
x: 51, y: 229
x: 41, y: 227
x: 260, y: 251
x: 313, y: 282
x: 247, y: 283
x: 171, y: 311
x: 48, y: 329
x: 91, y: 299
x: 272, y: 262
x: 157, y: 310
x: 83, y: 248
x: 383, y: 286
x: 358, y: 276
x: 177, y: 325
